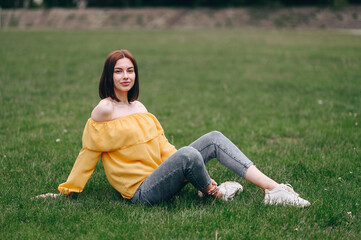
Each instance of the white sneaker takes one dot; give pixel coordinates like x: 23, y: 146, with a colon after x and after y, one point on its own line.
x: 229, y: 189
x: 284, y: 194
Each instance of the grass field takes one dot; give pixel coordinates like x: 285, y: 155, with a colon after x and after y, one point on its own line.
x: 291, y: 100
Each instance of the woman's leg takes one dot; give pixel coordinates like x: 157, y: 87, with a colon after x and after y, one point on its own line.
x: 169, y: 177
x: 216, y: 145
x: 256, y: 177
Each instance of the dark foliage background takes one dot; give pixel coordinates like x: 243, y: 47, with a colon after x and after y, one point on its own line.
x: 176, y: 3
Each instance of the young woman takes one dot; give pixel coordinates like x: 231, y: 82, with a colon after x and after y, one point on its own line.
x: 138, y: 160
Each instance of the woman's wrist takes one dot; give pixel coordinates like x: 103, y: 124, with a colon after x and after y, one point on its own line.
x: 214, y: 189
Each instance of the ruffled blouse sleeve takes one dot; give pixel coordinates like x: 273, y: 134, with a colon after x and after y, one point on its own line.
x: 82, y: 170
x: 166, y: 148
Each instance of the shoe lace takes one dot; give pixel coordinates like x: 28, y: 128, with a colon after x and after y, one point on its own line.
x: 289, y: 188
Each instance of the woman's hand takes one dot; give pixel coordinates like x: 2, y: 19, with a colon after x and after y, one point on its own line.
x: 48, y: 195
x: 214, y: 182
x: 214, y: 190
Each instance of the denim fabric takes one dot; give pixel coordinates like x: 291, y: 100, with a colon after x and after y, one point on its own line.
x: 189, y: 163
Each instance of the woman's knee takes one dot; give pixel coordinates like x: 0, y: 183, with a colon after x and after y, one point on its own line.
x: 190, y: 152
x: 214, y: 136
x: 191, y: 155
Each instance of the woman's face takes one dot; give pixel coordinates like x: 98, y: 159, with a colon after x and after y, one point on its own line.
x: 123, y: 75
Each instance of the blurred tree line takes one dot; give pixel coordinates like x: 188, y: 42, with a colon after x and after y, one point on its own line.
x: 172, y: 3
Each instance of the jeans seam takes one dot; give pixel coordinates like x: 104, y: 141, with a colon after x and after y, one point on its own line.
x: 199, y: 185
x: 162, y: 179
x: 225, y: 153
x: 171, y: 173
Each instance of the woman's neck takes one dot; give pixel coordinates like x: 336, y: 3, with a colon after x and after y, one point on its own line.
x: 122, y: 97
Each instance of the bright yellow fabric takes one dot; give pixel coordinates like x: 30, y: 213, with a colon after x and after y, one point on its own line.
x: 130, y: 147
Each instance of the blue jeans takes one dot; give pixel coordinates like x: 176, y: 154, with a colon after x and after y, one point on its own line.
x: 189, y: 163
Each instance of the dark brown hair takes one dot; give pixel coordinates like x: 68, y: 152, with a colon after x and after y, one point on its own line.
x: 106, y: 84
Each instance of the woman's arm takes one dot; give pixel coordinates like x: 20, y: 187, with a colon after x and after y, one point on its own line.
x: 82, y: 170
x: 103, y: 111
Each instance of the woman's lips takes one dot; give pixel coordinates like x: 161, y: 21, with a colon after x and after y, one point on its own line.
x: 125, y: 83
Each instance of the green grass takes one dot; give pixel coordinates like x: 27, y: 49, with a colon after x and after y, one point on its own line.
x: 291, y: 100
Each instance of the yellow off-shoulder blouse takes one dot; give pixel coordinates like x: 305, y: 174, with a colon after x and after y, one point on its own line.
x: 131, y: 148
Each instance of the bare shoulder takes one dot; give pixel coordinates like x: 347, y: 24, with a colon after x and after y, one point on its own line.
x: 103, y: 111
x: 140, y: 107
